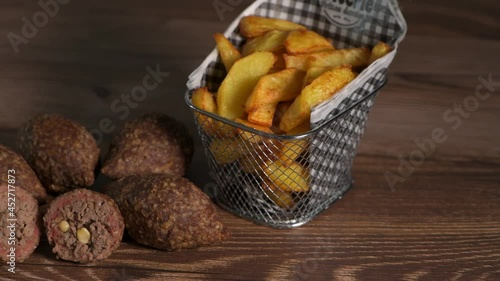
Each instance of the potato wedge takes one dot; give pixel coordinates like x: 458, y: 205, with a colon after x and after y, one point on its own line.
x: 289, y: 178
x: 222, y: 130
x: 292, y: 149
x: 280, y: 63
x: 250, y: 165
x: 204, y: 100
x: 300, y: 62
x: 228, y: 53
x: 240, y: 82
x: 250, y: 137
x: 254, y: 26
x: 315, y: 72
x: 226, y: 151
x: 281, y: 198
x: 305, y: 42
x: 271, y: 89
x: 320, y: 90
x: 356, y: 57
x: 380, y: 50
x: 281, y: 108
x: 273, y: 41
x: 252, y: 162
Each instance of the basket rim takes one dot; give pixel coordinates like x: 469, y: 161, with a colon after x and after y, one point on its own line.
x: 187, y: 99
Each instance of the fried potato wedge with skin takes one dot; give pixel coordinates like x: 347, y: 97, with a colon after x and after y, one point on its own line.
x: 240, y: 82
x: 380, y: 50
x: 300, y: 62
x: 222, y: 130
x: 315, y: 72
x: 281, y: 198
x: 281, y: 108
x: 279, y: 65
x: 292, y: 149
x: 252, y: 162
x: 250, y: 137
x: 228, y: 53
x: 305, y: 42
x: 320, y: 90
x: 273, y: 41
x: 254, y: 26
x: 250, y: 165
x: 226, y: 151
x: 356, y: 57
x: 271, y: 89
x: 205, y: 100
x: 289, y: 178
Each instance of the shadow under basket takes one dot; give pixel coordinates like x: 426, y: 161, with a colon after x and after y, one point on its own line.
x: 282, y: 181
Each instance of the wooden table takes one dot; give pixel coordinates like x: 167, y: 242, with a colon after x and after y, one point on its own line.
x: 442, y: 222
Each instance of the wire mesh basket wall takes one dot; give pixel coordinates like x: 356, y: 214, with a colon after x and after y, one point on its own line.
x: 282, y: 180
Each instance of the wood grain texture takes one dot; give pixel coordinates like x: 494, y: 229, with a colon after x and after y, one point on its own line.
x: 441, y: 223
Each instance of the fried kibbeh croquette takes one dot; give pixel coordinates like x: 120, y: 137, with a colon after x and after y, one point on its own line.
x: 83, y: 226
x: 167, y: 212
x: 153, y: 143
x: 25, y: 176
x: 62, y: 152
x: 19, y: 223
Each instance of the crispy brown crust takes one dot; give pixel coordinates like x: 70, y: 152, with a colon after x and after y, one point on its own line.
x: 83, y: 208
x: 61, y: 152
x: 153, y: 143
x: 167, y: 212
x: 27, y: 227
x: 25, y: 177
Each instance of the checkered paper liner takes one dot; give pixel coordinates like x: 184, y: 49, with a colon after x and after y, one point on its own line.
x: 338, y: 123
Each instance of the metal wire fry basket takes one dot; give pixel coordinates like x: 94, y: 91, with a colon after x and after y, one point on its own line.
x: 285, y: 181
x: 277, y: 180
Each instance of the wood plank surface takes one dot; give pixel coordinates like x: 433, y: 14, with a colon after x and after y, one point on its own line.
x: 440, y: 223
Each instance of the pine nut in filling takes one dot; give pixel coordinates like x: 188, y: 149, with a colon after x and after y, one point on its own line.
x: 64, y: 226
x: 83, y: 235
